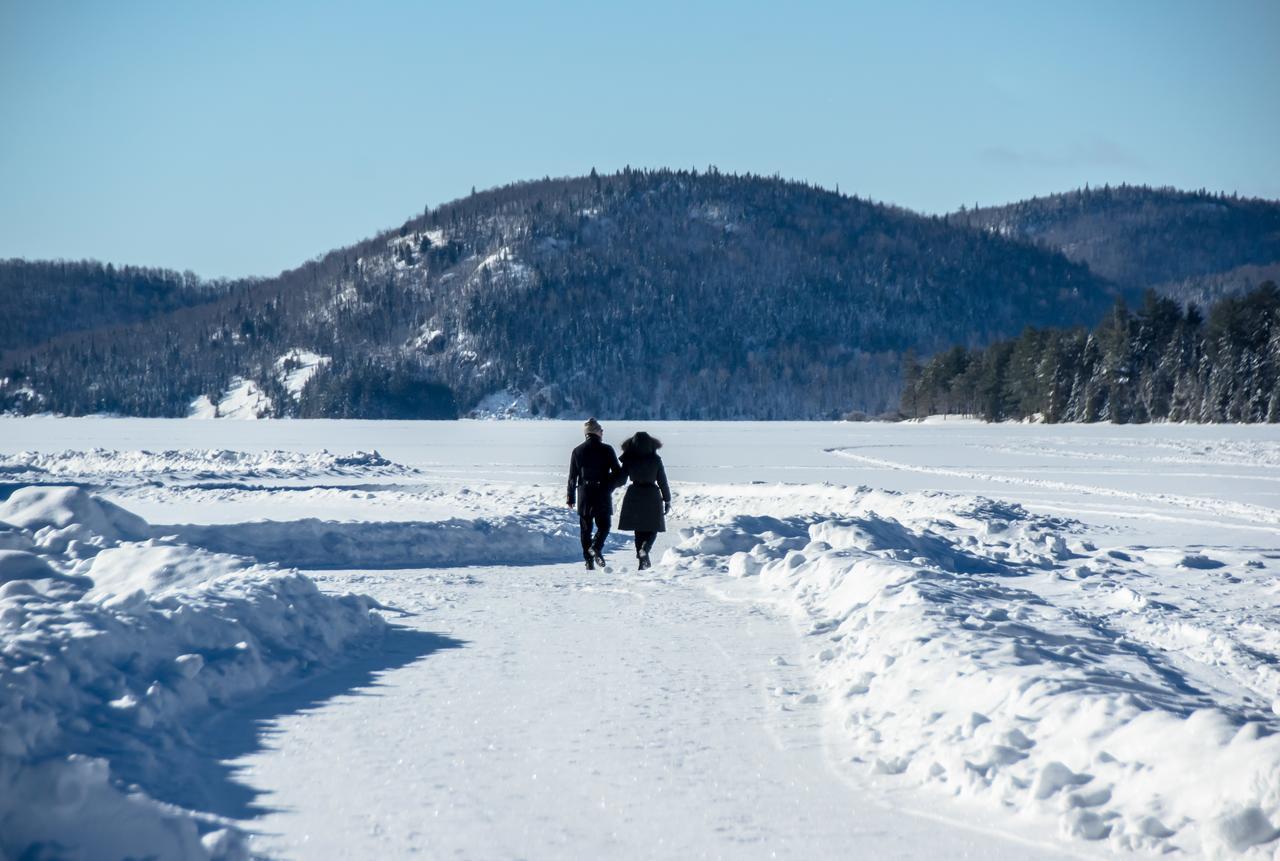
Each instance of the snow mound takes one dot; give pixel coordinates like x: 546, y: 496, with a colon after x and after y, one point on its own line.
x: 972, y: 648
x: 746, y: 538
x: 64, y: 511
x: 1200, y: 561
x: 74, y: 804
x: 20, y: 565
x: 138, y: 571
x: 109, y: 648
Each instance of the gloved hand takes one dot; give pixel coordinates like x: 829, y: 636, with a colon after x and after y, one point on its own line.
x: 666, y: 508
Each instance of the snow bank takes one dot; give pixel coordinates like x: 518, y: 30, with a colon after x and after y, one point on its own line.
x: 527, y: 539
x: 193, y: 464
x: 968, y: 646
x: 58, y: 513
x: 108, y: 648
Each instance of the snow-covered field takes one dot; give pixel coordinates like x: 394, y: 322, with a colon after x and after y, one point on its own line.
x: 933, y: 640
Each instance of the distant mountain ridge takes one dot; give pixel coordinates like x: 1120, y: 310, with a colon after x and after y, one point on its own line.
x: 47, y: 298
x: 1185, y: 245
x: 672, y: 294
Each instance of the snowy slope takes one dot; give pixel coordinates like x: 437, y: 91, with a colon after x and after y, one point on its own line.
x: 297, y: 367
x: 242, y: 400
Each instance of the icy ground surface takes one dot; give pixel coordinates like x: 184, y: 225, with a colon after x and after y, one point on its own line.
x: 915, y: 641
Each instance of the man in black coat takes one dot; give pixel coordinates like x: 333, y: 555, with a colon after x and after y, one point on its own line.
x: 594, y: 473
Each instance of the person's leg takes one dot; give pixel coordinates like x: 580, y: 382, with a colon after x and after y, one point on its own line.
x: 584, y: 532
x: 644, y: 541
x: 602, y: 530
x: 649, y: 538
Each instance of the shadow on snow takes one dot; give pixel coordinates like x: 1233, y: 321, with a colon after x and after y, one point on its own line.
x: 327, y: 544
x: 212, y: 783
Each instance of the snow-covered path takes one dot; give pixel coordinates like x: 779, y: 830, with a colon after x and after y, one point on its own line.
x: 585, y: 715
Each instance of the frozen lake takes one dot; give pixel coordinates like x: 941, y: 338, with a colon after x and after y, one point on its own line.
x: 918, y: 640
x: 1190, y: 483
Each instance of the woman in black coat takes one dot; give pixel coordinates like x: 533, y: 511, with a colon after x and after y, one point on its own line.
x: 648, y: 498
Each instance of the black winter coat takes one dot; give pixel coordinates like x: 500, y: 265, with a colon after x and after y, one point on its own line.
x: 594, y: 473
x: 643, y: 504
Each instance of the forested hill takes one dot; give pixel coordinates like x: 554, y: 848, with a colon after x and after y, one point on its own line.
x: 1189, y: 246
x: 645, y: 294
x: 44, y: 299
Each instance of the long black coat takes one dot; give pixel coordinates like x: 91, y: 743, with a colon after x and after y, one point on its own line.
x: 594, y: 474
x: 647, y: 496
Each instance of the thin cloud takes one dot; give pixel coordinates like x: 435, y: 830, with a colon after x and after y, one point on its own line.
x: 1099, y: 152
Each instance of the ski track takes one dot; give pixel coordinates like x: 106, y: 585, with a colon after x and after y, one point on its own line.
x: 1267, y: 519
x: 611, y: 715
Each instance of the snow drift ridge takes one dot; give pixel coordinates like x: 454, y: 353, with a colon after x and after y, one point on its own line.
x: 973, y: 649
x: 110, y: 646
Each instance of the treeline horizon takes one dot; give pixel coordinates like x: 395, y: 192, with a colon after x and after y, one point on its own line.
x: 1163, y: 362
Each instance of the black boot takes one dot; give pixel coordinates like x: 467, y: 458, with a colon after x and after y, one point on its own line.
x: 591, y: 563
x: 644, y: 559
x: 600, y: 559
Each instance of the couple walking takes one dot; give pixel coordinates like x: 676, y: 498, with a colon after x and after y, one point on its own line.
x: 595, y: 472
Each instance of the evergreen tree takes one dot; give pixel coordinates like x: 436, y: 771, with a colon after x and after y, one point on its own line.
x: 1162, y: 363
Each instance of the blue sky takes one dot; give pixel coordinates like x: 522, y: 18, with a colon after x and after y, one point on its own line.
x: 243, y: 138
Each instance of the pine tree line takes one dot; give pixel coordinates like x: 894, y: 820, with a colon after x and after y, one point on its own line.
x: 1164, y: 362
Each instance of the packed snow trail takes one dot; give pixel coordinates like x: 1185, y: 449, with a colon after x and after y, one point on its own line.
x: 606, y: 715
